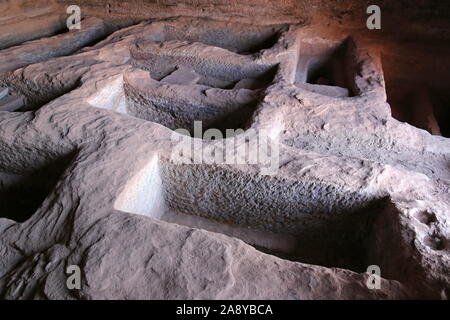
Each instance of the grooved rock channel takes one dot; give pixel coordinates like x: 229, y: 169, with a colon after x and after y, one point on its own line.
x: 89, y: 125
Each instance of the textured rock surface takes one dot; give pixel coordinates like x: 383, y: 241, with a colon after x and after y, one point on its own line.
x: 87, y: 177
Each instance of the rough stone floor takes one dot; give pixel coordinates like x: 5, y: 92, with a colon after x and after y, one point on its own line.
x: 87, y: 176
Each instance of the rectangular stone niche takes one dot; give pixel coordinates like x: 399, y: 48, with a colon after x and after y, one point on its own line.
x: 417, y: 87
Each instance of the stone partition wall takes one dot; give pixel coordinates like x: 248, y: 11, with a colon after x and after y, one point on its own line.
x: 224, y: 150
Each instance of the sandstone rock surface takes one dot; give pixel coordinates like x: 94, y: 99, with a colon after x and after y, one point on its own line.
x: 87, y: 177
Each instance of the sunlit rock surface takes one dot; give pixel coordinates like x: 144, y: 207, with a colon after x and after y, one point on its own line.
x: 88, y: 178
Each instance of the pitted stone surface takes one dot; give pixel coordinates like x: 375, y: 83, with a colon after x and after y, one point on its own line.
x: 87, y: 177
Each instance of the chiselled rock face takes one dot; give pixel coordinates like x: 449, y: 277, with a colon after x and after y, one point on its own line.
x: 209, y: 158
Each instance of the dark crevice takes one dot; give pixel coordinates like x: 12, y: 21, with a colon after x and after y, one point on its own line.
x: 248, y: 40
x: 418, y: 91
x: 22, y: 193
